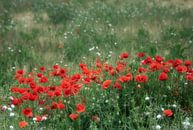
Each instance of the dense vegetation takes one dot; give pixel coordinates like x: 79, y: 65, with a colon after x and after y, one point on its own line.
x: 71, y: 35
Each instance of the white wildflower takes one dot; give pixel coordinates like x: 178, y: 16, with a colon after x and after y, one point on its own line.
x: 91, y: 49
x: 10, y: 109
x: 11, y: 127
x: 34, y: 119
x: 12, y: 106
x: 147, y: 98
x: 12, y: 114
x: 159, y: 116
x: 158, y: 127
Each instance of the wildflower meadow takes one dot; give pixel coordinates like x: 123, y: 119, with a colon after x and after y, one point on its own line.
x: 96, y: 65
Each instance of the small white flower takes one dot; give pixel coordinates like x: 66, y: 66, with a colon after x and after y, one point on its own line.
x: 41, y: 108
x: 34, y: 119
x: 4, y: 107
x: 98, y: 53
x: 106, y: 101
x: 11, y: 127
x: 9, y: 48
x: 91, y: 49
x: 186, y: 83
x: 174, y: 105
x: 110, y: 25
x: 159, y: 116
x: 147, y: 98
x: 158, y: 127
x: 13, y: 106
x: 10, y: 109
x: 12, y: 114
x: 186, y: 124
x: 11, y: 98
x: 115, y: 43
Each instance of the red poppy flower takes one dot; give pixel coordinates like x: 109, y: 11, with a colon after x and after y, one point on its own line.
x: 106, y: 84
x: 141, y: 78
x: 16, y: 101
x: 21, y: 80
x: 73, y: 116
x: 168, y: 113
x: 158, y: 58
x: 23, y: 124
x: 38, y: 118
x: 54, y: 105
x: 39, y: 75
x: 117, y: 85
x: 177, y: 62
x: 80, y: 108
x: 189, y: 77
x: 188, y: 62
x: 155, y: 66
x: 163, y: 76
x: 148, y: 60
x: 21, y: 72
x: 87, y: 80
x: 56, y: 67
x: 33, y: 97
x: 125, y: 78
x: 43, y: 80
x: 120, y: 66
x: 124, y: 55
x: 27, y: 112
x: 60, y: 106
x: 42, y: 68
x: 166, y: 70
x: 140, y: 54
x: 142, y: 69
x: 67, y: 92
x: 181, y: 68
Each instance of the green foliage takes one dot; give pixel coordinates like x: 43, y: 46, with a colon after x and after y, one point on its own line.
x: 65, y: 31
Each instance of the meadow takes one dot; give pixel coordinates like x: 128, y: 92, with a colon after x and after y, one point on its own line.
x: 96, y: 65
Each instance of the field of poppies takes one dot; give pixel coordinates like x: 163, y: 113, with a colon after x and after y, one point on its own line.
x: 96, y: 65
